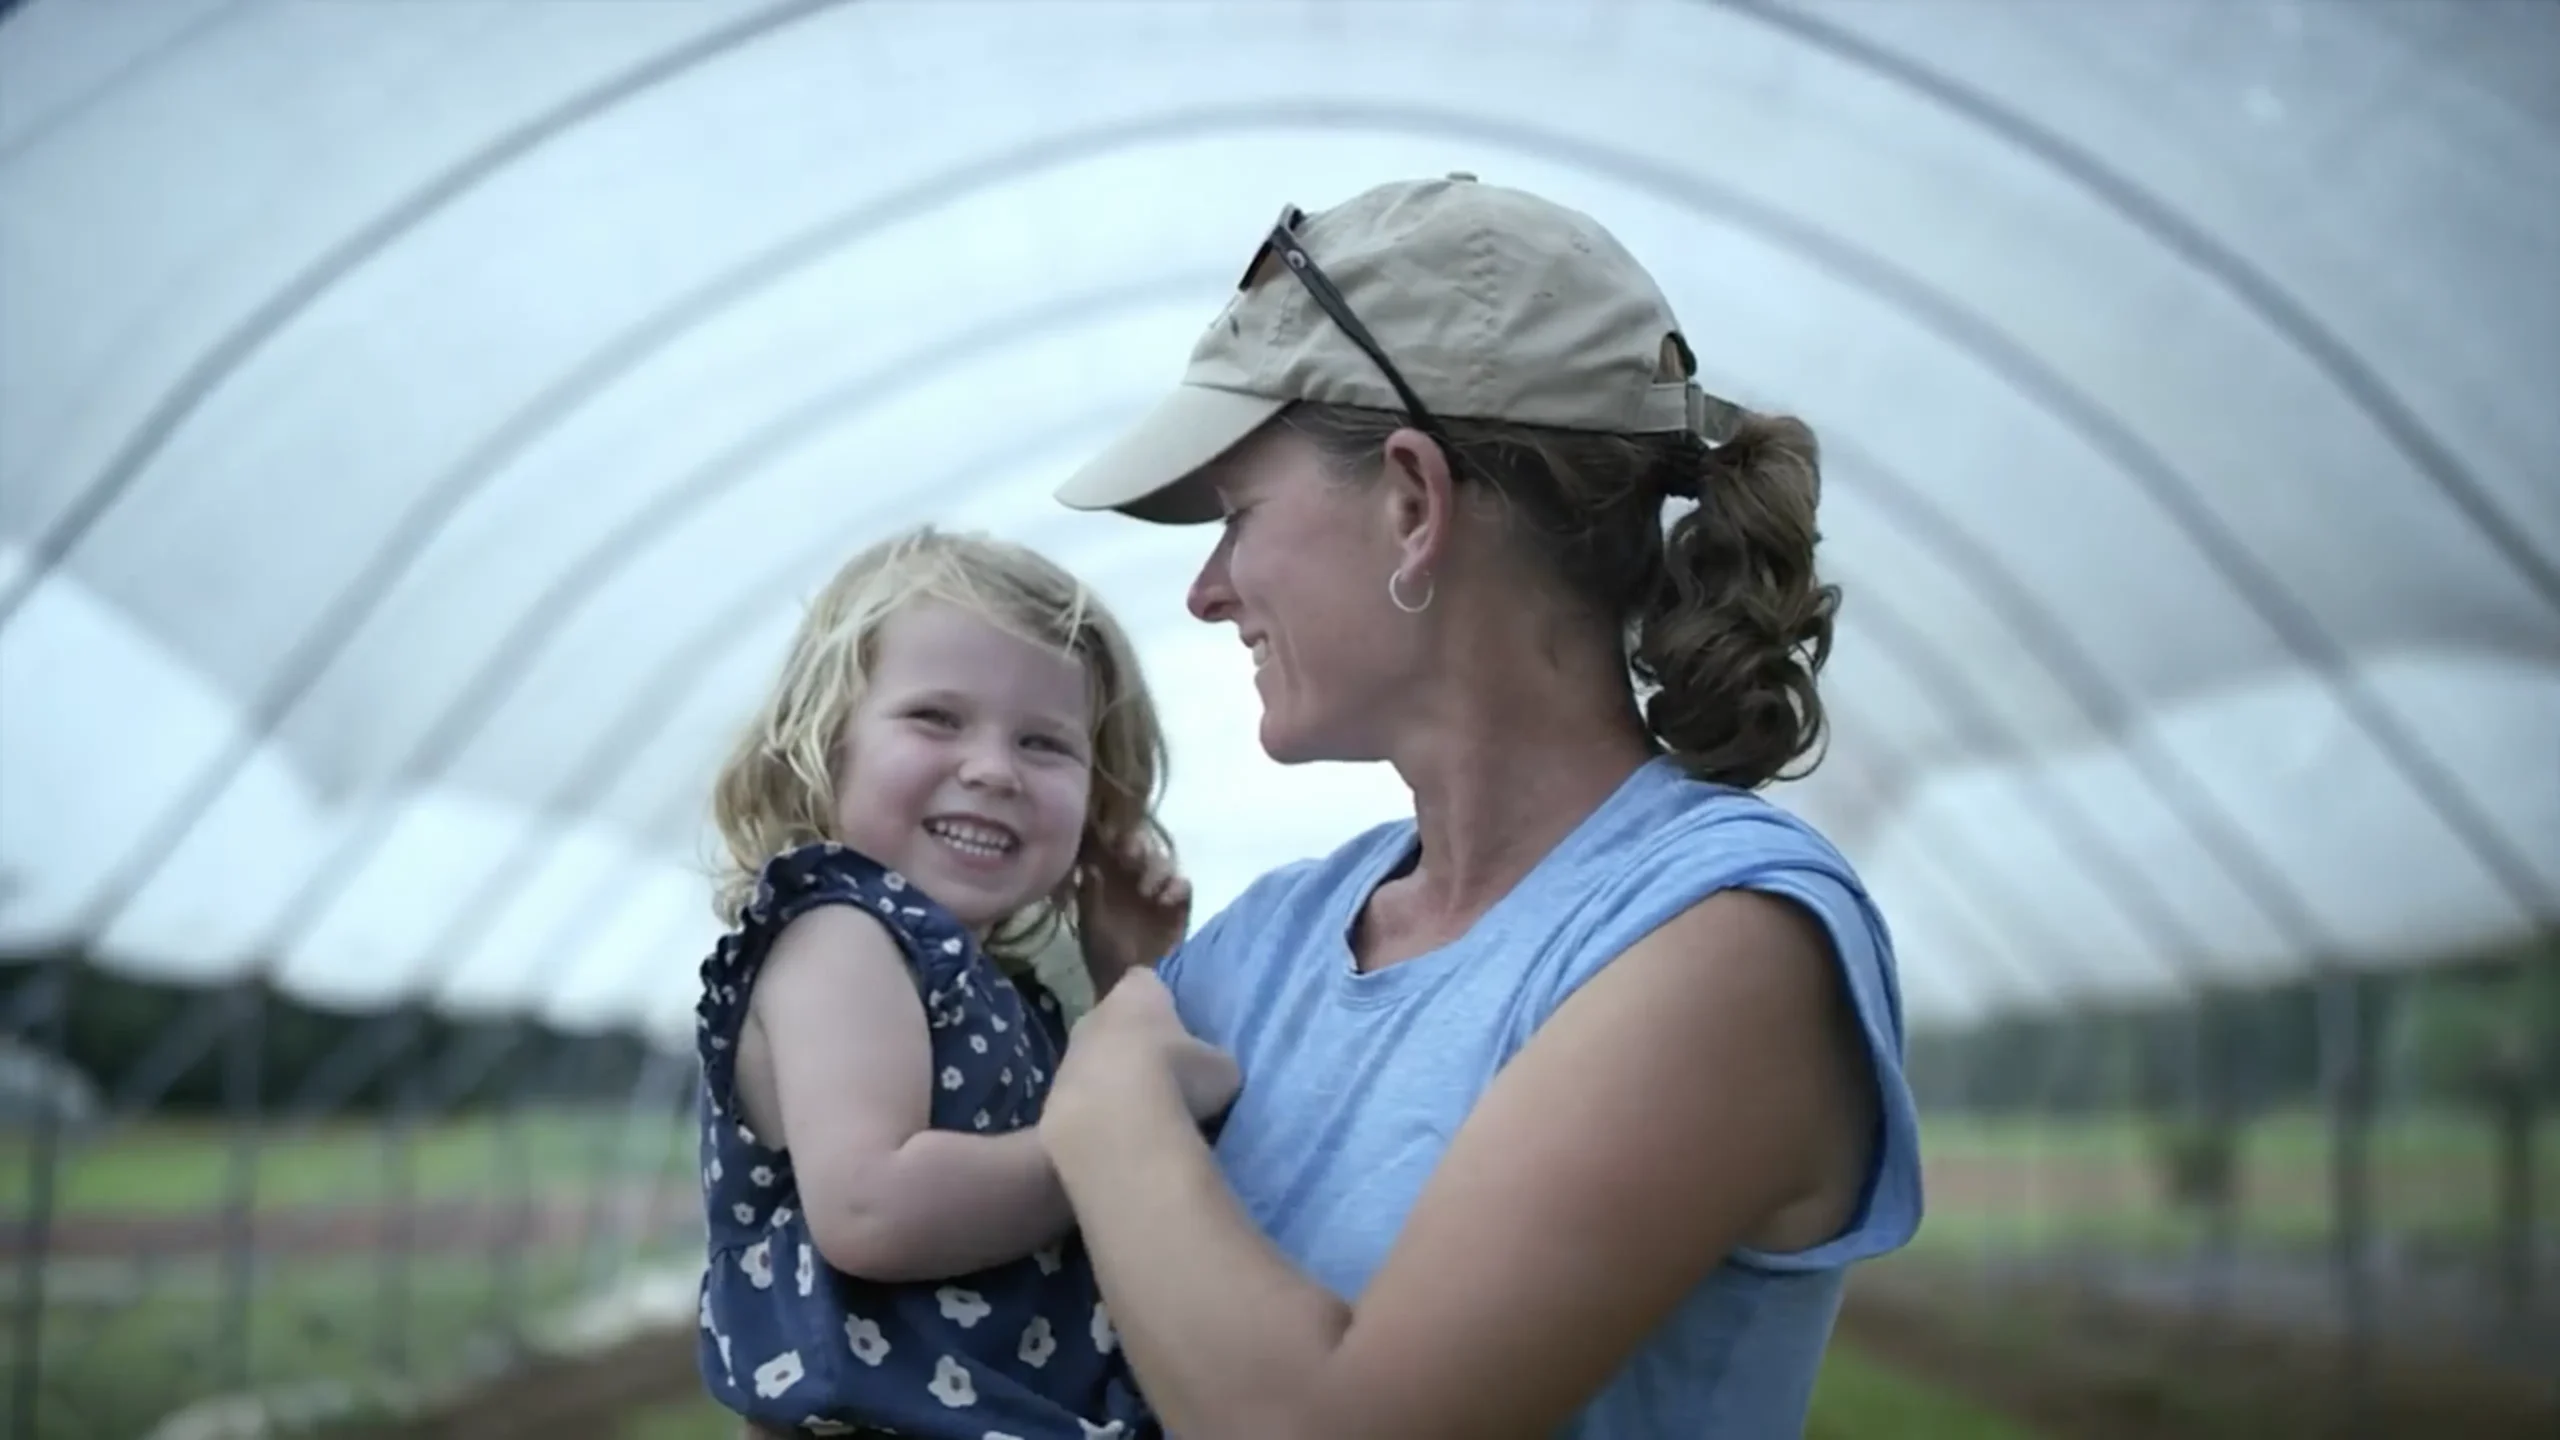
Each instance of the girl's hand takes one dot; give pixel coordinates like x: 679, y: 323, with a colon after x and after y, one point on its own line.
x: 1136, y: 908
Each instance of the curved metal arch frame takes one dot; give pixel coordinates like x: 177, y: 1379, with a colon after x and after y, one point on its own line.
x: 215, y: 367
x: 2093, y: 851
x: 1981, y: 571
x: 2337, y: 359
x: 637, y: 722
x: 170, y: 46
x: 631, y: 730
x: 652, y: 704
x: 2026, y: 979
x: 2258, y: 292
x: 1933, y: 310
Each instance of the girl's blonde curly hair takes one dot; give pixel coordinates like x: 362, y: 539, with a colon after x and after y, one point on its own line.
x: 778, y: 786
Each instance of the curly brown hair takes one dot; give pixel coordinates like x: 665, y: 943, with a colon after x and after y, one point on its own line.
x: 1728, y: 623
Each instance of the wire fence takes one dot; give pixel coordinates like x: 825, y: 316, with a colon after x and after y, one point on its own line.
x: 326, y: 1213
x: 2346, y: 1189
x: 2333, y: 1204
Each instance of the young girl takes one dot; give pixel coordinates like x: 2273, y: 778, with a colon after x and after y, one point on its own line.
x: 959, y: 757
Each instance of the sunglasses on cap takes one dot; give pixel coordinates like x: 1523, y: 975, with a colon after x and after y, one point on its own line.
x: 1285, y: 243
x: 1292, y: 252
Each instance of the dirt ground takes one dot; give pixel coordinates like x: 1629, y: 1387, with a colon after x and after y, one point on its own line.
x: 2072, y: 1366
x: 2079, y: 1366
x: 2069, y: 1362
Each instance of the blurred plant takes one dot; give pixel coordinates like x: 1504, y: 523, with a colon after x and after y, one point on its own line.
x: 2197, y: 1161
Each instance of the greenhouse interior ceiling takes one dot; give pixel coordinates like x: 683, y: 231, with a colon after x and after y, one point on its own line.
x: 421, y: 423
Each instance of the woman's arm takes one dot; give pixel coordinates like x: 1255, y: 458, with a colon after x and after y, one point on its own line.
x: 851, y: 1056
x: 1683, y: 1096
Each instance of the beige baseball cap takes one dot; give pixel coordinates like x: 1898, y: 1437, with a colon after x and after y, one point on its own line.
x: 1488, y: 303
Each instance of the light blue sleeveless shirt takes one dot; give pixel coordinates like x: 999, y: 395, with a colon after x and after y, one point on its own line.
x: 1355, y: 1084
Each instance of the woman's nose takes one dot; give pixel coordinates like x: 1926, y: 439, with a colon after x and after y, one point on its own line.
x: 1209, y: 598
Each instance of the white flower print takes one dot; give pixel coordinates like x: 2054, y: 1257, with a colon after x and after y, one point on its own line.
x: 762, y: 1174
x: 821, y: 1425
x: 726, y: 1369
x: 719, y: 1042
x: 1110, y: 1431
x: 964, y: 1308
x: 807, y: 1275
x: 745, y: 1212
x: 979, y: 1120
x: 950, y: 1077
x: 1048, y: 1258
x: 1005, y: 1076
x: 781, y: 1216
x: 951, y: 946
x: 779, y: 1374
x: 706, y: 1311
x: 978, y: 1043
x: 952, y: 1385
x: 996, y: 1023
x: 746, y: 1134
x: 1104, y: 1337
x: 892, y: 880
x: 716, y: 1171
x: 999, y: 1435
x: 864, y: 1339
x: 1039, y: 1342
x: 757, y: 1262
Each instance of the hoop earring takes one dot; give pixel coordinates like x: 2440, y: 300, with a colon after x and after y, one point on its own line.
x: 1395, y: 595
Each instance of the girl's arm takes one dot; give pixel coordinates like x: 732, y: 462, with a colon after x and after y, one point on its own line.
x: 888, y: 1198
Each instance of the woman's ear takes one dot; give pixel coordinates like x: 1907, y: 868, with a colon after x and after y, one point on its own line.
x: 1421, y: 496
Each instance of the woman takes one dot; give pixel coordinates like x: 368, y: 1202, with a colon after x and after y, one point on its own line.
x: 1567, y: 1102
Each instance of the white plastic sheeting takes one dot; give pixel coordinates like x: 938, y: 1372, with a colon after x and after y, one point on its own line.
x: 418, y: 422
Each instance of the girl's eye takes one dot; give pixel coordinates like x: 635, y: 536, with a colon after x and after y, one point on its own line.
x: 935, y: 716
x: 1050, y: 743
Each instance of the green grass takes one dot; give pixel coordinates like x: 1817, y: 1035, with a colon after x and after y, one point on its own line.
x: 2295, y: 1139
x: 696, y: 1419
x: 2034, y: 1183
x: 1855, y: 1399
x: 117, y: 1361
x: 169, y: 1167
x: 129, y: 1338
x: 113, y: 1363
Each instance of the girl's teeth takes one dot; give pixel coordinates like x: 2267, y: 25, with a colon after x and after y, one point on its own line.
x: 971, y: 839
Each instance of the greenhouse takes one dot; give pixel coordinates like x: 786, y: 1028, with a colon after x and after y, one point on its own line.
x: 422, y: 425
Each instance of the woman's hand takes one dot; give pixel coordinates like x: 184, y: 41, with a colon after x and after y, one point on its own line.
x: 1135, y: 907
x: 1132, y: 1048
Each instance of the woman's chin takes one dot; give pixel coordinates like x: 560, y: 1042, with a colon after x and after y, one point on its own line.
x: 1296, y: 744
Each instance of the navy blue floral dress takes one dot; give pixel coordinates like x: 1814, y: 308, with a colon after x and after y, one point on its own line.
x: 1021, y: 1351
